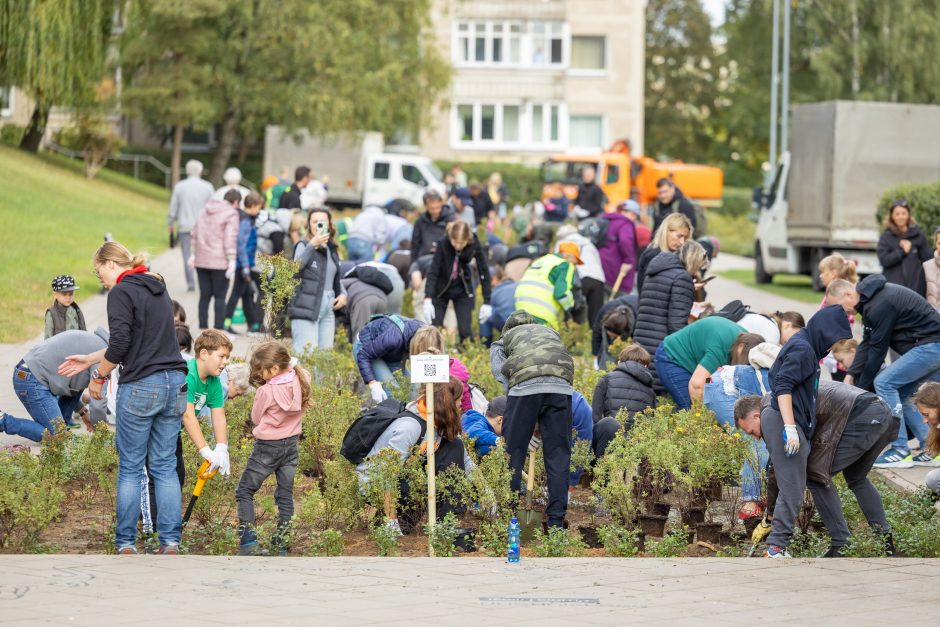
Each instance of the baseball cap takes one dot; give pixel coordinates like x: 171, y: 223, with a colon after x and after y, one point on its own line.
x: 630, y: 205
x: 497, y: 407
x: 571, y: 248
x: 64, y: 283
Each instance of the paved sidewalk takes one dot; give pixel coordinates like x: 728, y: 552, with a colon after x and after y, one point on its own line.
x: 153, y: 590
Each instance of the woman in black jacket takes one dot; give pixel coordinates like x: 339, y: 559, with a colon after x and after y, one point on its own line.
x: 450, y: 279
x: 668, y: 294
x: 152, y: 394
x: 320, y: 293
x: 903, y: 249
x: 675, y: 231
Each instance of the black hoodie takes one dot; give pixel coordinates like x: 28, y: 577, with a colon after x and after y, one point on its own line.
x: 143, y: 333
x: 894, y: 317
x: 679, y: 204
x: 796, y: 369
x: 427, y: 231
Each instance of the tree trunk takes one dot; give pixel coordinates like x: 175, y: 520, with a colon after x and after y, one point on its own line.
x: 223, y: 151
x: 856, y: 52
x: 176, y: 159
x: 32, y: 138
x: 243, y: 148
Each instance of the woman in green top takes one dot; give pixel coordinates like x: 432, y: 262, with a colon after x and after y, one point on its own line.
x: 687, y: 358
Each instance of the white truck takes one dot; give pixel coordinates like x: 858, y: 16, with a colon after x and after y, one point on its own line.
x: 825, y: 192
x: 360, y: 171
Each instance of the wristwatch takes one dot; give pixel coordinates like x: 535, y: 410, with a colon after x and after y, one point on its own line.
x: 97, y: 377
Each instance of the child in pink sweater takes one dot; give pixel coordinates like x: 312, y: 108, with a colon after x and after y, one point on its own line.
x: 283, y: 393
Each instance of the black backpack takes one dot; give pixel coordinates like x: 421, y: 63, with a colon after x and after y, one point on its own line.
x: 365, y: 431
x: 734, y: 311
x: 595, y: 229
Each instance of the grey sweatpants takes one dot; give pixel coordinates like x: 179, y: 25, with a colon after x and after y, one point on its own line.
x: 186, y: 247
x: 864, y: 437
x: 790, y: 473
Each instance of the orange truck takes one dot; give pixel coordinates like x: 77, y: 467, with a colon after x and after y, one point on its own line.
x: 623, y: 176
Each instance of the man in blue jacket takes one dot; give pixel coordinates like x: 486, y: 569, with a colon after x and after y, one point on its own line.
x: 381, y: 349
x: 901, y: 319
x: 788, y: 422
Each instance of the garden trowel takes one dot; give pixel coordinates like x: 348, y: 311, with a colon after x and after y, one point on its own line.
x: 203, y: 475
x: 529, y: 519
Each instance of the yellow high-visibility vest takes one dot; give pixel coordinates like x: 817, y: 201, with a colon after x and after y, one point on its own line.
x: 535, y: 293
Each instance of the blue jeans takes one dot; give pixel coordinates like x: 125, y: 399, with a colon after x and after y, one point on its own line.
x: 359, y: 249
x: 43, y: 406
x: 898, y: 382
x: 384, y: 371
x: 313, y: 334
x: 722, y: 404
x: 149, y: 417
x: 674, y: 378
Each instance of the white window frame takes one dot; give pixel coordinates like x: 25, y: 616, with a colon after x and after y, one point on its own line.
x: 526, y: 38
x: 7, y: 111
x: 525, y: 138
x: 604, y: 131
x: 586, y: 72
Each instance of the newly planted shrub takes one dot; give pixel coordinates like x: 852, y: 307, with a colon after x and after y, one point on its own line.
x: 619, y: 541
x: 443, y: 535
x: 558, y: 542
x: 327, y: 543
x: 386, y: 539
x: 615, y: 477
x: 672, y: 545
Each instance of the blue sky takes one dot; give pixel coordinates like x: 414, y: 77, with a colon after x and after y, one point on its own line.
x: 716, y: 9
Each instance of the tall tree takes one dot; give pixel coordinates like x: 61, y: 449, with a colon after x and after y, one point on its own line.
x: 55, y: 51
x: 682, y: 79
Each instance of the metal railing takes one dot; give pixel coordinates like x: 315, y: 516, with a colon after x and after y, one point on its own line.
x: 137, y: 160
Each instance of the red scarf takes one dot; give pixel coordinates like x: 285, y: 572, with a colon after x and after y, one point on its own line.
x: 135, y: 270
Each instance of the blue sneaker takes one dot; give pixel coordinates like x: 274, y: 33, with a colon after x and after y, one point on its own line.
x: 777, y: 552
x: 894, y: 458
x: 925, y: 459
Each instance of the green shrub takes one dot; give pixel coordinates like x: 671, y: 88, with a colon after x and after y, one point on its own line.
x: 11, y: 134
x: 672, y: 545
x: 808, y: 544
x: 30, y: 499
x: 327, y: 543
x: 558, y: 542
x: 923, y: 199
x: 386, y: 540
x: 619, y: 541
x: 443, y: 535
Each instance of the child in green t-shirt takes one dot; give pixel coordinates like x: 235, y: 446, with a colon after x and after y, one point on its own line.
x: 204, y: 389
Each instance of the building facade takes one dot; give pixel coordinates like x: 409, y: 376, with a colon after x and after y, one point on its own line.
x: 537, y: 77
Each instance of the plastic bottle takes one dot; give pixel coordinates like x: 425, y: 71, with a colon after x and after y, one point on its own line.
x: 512, y: 553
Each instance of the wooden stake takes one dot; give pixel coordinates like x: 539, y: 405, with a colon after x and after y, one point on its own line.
x: 432, y: 497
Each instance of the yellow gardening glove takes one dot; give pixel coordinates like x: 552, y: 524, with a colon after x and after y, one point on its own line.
x: 761, y: 531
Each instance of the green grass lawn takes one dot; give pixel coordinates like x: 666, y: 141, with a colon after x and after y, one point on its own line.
x: 734, y: 233
x: 793, y: 286
x: 53, y: 220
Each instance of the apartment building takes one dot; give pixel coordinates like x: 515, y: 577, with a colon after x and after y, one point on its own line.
x: 536, y: 77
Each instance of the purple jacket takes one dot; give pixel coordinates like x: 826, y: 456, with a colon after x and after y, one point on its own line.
x: 383, y: 339
x: 618, y: 249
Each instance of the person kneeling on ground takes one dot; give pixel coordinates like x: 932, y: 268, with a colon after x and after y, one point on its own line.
x: 853, y: 426
x: 283, y: 394
x: 380, y: 350
x: 615, y: 320
x: 537, y: 371
x: 486, y: 430
x: 407, y: 430
x: 788, y: 422
x: 628, y: 387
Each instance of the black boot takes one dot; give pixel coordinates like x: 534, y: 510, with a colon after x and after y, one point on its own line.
x: 889, y: 546
x: 834, y: 551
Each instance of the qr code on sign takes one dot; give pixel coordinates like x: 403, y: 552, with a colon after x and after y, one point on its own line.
x: 430, y: 370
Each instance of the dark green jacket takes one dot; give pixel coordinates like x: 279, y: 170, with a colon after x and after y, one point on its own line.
x: 534, y: 350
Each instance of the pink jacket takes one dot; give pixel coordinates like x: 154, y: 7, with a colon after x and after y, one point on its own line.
x: 459, y: 371
x: 277, y: 411
x: 215, y: 234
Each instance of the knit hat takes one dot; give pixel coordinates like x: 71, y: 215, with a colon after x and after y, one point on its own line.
x: 64, y: 283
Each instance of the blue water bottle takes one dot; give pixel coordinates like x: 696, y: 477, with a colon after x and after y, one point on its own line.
x: 512, y: 553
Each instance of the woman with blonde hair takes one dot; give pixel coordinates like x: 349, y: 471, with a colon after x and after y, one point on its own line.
x: 151, y: 397
x: 451, y: 279
x: 675, y: 231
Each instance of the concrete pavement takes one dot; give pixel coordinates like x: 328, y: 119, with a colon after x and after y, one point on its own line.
x: 156, y: 590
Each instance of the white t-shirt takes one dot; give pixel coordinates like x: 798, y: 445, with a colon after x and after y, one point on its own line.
x: 762, y: 326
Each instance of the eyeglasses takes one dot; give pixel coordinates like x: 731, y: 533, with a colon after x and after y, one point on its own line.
x: 97, y: 274
x: 900, y: 202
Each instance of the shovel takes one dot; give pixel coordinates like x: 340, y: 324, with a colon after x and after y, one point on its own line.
x: 624, y: 271
x: 203, y: 475
x: 529, y: 519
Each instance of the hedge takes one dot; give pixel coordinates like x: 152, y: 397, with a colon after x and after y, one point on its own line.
x: 922, y: 198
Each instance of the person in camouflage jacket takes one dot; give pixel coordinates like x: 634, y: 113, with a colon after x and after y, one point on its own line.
x: 537, y: 371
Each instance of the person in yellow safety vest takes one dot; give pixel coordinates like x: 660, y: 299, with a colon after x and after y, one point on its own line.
x: 546, y: 290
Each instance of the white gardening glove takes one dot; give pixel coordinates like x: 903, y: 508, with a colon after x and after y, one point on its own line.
x: 378, y: 393
x: 597, y: 365
x: 209, y: 455
x: 535, y: 443
x: 791, y: 440
x: 221, y: 456
x: 192, y: 261
x: 485, y: 312
x: 230, y: 271
x: 429, y: 311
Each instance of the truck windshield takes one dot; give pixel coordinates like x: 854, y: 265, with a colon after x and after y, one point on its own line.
x: 436, y: 171
x: 564, y: 171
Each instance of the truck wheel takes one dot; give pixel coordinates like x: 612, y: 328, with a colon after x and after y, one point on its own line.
x: 760, y: 275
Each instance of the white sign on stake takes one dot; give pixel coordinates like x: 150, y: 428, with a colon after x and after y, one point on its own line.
x: 430, y: 368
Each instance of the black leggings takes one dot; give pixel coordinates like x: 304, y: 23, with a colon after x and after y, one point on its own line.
x: 595, y: 293
x: 212, y: 285
x: 463, y: 307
